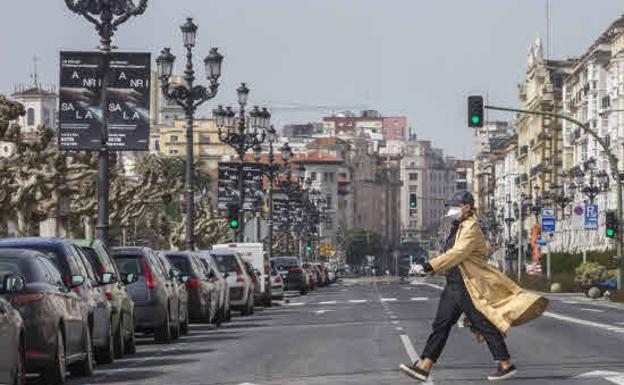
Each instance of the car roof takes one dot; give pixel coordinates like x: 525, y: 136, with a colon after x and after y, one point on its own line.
x: 224, y: 252
x: 20, y: 253
x: 35, y: 241
x: 121, y: 250
x: 177, y: 253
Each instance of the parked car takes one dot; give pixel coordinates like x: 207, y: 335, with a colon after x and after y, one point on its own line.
x: 256, y: 277
x: 312, y: 276
x: 277, y: 284
x: 155, y: 307
x: 292, y: 273
x: 221, y: 283
x: 323, y: 273
x: 116, y: 292
x: 181, y: 296
x: 254, y: 253
x: 56, y: 329
x: 231, y: 265
x: 72, y: 262
x: 12, y: 332
x: 202, y: 293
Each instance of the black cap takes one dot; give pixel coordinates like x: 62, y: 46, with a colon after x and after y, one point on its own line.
x: 460, y: 197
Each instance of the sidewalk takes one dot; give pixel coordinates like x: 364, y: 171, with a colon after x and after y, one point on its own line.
x: 581, y: 298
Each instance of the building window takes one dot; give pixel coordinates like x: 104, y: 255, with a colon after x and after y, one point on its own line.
x: 30, y: 117
x: 413, y: 176
x: 174, y: 138
x: 46, y: 117
x: 173, y: 152
x: 329, y: 177
x: 328, y: 199
x: 462, y: 186
x: 413, y: 188
x: 313, y: 175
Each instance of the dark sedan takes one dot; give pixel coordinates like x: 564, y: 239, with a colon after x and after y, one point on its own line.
x: 57, y: 333
x: 155, y: 309
x: 202, y: 293
x: 12, y: 334
x: 71, y: 261
x: 292, y: 273
x: 115, y: 290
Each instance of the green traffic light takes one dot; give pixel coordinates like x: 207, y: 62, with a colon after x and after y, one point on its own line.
x: 610, y: 232
x: 413, y: 204
x: 475, y: 119
x: 234, y: 224
x: 309, y: 248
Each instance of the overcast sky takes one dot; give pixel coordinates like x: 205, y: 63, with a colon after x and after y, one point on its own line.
x: 403, y: 57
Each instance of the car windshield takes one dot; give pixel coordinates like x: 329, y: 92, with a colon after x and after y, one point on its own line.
x: 130, y: 264
x: 94, y: 260
x: 9, y: 267
x: 181, y: 263
x: 285, y: 263
x: 226, y: 263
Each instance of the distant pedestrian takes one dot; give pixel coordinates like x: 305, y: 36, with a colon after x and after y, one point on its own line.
x: 491, y: 301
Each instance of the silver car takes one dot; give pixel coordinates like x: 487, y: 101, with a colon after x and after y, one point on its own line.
x: 277, y: 284
x: 12, y: 355
x: 221, y: 283
x: 231, y: 265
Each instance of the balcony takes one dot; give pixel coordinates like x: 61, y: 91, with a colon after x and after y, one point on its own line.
x: 522, y: 151
x: 537, y: 170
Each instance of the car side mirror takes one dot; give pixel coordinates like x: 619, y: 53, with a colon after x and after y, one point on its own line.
x: 77, y: 280
x: 108, y: 278
x: 174, y: 273
x: 130, y: 278
x: 13, y: 284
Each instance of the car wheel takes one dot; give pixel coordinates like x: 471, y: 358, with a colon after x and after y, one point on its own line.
x: 162, y: 333
x: 120, y: 343
x: 131, y: 342
x: 106, y: 354
x: 184, y: 326
x: 56, y: 373
x: 20, y: 370
x: 85, y: 367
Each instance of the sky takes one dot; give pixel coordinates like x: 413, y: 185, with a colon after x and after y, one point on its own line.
x: 402, y: 57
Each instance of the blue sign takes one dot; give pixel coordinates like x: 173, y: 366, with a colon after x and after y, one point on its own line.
x: 542, y: 241
x: 549, y: 220
x: 591, y: 217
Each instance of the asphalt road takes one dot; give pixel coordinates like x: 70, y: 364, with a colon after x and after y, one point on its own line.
x: 358, y: 332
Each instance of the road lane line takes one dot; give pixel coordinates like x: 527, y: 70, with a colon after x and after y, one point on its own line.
x: 328, y: 303
x: 579, y: 321
x: 357, y: 301
x: 296, y: 304
x: 427, y: 284
x: 409, y: 348
x: 419, y: 299
x: 389, y: 300
x: 594, y: 310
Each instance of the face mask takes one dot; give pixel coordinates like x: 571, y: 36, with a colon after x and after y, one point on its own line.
x: 455, y: 213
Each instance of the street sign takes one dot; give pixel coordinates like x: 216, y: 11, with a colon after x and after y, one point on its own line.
x: 229, y: 190
x: 591, y: 217
x: 542, y: 241
x: 548, y: 220
x: 577, y: 222
x: 128, y: 101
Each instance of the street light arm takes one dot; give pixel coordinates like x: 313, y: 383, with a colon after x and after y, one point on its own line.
x: 203, y: 94
x: 178, y: 94
x: 131, y: 10
x: 80, y: 8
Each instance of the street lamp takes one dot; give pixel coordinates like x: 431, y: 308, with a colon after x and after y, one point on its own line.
x: 271, y: 170
x: 560, y: 198
x: 106, y: 16
x: 190, y: 97
x: 598, y: 181
x: 243, y: 134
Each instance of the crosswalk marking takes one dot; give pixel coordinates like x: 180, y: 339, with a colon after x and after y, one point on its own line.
x: 389, y: 299
x: 357, y: 301
x: 419, y: 299
x: 328, y: 303
x: 594, y: 310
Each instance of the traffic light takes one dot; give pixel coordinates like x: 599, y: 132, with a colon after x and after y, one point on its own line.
x: 611, y: 224
x: 309, y: 248
x: 475, y: 111
x: 233, y: 218
x: 413, y: 201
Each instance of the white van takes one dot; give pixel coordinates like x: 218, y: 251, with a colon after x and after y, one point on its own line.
x: 254, y: 253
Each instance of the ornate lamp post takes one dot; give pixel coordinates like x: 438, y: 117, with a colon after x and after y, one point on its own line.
x: 559, y: 197
x: 190, y: 97
x: 106, y: 16
x: 242, y: 133
x: 271, y: 170
x: 595, y: 187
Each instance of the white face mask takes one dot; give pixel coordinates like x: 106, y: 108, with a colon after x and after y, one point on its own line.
x: 454, y: 212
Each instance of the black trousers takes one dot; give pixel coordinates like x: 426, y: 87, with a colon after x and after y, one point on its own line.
x: 454, y: 301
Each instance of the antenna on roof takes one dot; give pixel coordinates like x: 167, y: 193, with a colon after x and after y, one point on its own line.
x: 35, y: 75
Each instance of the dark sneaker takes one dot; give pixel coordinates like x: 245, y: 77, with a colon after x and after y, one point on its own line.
x: 415, y: 372
x: 503, y: 374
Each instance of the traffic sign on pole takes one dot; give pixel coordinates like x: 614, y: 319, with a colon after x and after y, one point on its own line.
x: 591, y: 217
x: 548, y: 220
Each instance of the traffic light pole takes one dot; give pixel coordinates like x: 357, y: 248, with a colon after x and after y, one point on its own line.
x: 613, y: 164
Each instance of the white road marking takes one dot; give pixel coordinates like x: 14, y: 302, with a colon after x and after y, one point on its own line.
x: 322, y: 311
x: 357, y: 301
x: 614, y: 377
x: 394, y: 322
x: 594, y: 310
x: 419, y: 299
x: 328, y: 303
x: 409, y: 348
x: 399, y: 329
x: 296, y: 304
x: 571, y: 302
x: 388, y: 300
x: 579, y: 321
x: 393, y: 316
x: 619, y: 323
x: 427, y: 284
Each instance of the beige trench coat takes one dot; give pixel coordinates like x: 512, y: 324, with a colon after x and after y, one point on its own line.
x: 495, y: 295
